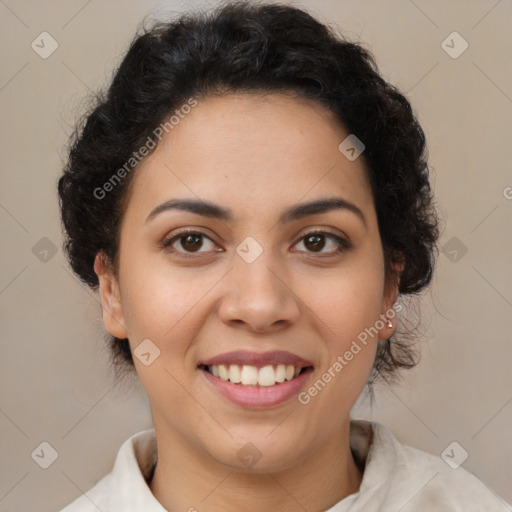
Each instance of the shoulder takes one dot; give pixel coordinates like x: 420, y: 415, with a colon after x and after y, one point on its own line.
x: 126, y: 484
x: 408, y: 478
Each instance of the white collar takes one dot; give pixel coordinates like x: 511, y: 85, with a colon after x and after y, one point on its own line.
x: 395, y: 477
x: 137, y: 457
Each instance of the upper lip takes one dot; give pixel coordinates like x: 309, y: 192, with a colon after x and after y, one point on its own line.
x: 243, y: 357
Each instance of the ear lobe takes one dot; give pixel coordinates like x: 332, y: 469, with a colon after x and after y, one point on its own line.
x: 110, y: 297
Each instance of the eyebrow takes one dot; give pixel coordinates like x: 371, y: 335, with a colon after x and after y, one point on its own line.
x: 297, y: 212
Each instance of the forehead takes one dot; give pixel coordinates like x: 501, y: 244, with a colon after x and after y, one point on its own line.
x: 254, y: 149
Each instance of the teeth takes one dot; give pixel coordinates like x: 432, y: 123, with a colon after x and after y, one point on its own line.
x: 247, y: 375
x: 267, y: 376
x: 223, y: 372
x: 280, y: 373
x: 235, y: 374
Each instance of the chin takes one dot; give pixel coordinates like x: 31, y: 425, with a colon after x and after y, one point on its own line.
x: 259, y: 455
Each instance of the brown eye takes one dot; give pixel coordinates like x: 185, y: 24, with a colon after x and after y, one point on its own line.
x: 188, y: 243
x: 317, y: 241
x: 191, y: 242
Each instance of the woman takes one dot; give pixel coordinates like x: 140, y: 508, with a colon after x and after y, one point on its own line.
x: 251, y: 198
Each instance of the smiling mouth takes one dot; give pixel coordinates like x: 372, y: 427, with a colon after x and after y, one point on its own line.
x: 254, y: 376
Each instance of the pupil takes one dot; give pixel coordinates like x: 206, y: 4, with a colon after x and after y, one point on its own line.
x: 318, y: 243
x: 189, y: 239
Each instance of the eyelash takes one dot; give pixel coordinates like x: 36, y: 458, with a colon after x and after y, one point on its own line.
x: 342, y: 244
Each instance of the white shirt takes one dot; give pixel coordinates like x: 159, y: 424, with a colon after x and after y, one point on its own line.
x: 395, y: 478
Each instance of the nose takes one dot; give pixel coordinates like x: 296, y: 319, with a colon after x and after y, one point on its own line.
x: 258, y: 298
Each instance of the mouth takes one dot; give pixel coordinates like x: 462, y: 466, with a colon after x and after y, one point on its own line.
x: 257, y: 380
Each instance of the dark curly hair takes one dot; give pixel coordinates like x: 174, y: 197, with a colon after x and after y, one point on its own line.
x: 242, y: 47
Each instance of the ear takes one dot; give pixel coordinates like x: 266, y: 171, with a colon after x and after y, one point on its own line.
x: 388, y: 313
x: 110, y: 297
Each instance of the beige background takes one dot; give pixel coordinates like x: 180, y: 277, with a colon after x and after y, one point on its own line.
x: 54, y: 382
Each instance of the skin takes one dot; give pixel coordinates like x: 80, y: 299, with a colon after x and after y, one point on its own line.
x: 256, y: 155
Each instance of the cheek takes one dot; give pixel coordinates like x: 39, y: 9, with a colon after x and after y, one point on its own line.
x: 158, y: 299
x: 347, y: 308
x: 348, y: 302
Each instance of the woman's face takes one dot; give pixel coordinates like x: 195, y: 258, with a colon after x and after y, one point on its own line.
x: 261, y: 280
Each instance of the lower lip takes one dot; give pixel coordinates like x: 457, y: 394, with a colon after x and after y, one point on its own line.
x: 258, y: 396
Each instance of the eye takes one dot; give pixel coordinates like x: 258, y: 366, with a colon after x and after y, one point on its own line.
x: 317, y: 241
x: 187, y: 243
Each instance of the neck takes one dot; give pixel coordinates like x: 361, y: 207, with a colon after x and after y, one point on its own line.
x: 188, y: 479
